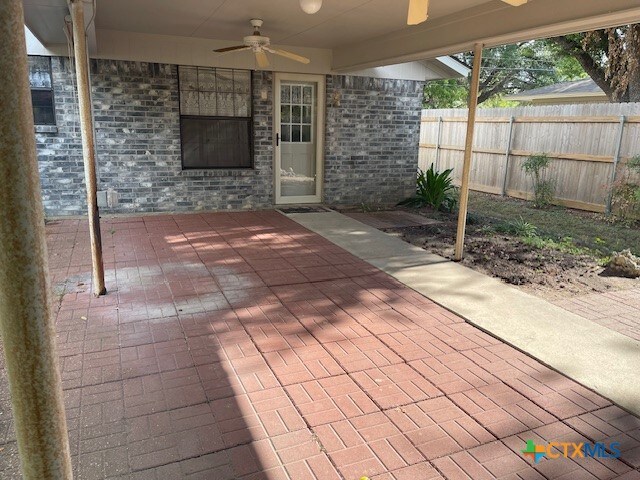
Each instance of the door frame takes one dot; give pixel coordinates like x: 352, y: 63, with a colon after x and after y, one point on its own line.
x: 320, y: 81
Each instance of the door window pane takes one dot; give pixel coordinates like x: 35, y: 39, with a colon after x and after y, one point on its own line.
x: 295, y: 133
x: 285, y: 94
x: 296, y: 94
x: 285, y: 113
x: 307, y: 95
x: 306, y: 114
x: 306, y: 133
x: 295, y: 114
x: 286, y: 133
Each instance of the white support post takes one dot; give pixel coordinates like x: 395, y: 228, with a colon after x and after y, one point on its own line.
x: 26, y: 324
x: 507, y: 153
x: 88, y: 142
x: 468, y: 151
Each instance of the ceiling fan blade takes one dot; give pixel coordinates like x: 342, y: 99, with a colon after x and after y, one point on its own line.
x: 261, y: 58
x: 232, y: 49
x: 418, y: 11
x: 289, y: 55
x: 515, y: 3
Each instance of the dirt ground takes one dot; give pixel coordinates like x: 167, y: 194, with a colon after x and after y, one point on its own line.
x: 545, y: 272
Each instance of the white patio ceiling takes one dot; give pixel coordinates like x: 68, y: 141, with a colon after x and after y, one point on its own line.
x: 358, y: 33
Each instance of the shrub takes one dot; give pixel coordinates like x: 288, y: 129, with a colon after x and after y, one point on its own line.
x: 625, y: 192
x: 434, y: 189
x: 543, y: 188
x: 518, y: 227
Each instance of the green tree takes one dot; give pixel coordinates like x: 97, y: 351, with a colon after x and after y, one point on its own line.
x: 505, y: 69
x: 513, y: 68
x: 611, y: 57
x: 448, y: 93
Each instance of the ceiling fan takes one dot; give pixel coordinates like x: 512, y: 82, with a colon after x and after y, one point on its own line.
x: 260, y: 45
x: 419, y: 10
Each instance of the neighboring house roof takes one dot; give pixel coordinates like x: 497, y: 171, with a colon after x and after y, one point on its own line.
x: 560, y: 91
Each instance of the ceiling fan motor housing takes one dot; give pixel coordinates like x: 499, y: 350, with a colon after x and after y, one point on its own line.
x: 256, y: 41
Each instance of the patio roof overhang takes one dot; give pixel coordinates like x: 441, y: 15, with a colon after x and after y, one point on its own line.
x: 343, y: 36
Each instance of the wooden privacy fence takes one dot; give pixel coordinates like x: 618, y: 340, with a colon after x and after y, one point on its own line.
x: 589, y: 145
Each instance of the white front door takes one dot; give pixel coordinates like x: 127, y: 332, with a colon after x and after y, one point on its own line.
x: 299, y: 130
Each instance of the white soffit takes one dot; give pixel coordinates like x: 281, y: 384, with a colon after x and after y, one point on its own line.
x: 358, y: 34
x: 338, y: 22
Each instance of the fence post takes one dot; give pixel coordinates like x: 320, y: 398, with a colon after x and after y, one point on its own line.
x: 506, y: 156
x: 616, y: 160
x: 439, y: 136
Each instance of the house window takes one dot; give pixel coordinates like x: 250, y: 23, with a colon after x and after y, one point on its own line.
x: 41, y: 90
x: 296, y: 112
x: 215, y: 117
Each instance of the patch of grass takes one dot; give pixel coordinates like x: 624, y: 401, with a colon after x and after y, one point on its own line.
x: 565, y: 245
x: 561, y: 228
x: 519, y: 227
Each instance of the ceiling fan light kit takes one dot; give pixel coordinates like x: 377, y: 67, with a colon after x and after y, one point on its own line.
x: 310, y: 6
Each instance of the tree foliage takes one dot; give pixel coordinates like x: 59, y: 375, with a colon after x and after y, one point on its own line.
x: 611, y: 57
x: 448, y: 93
x: 505, y: 69
x: 513, y: 68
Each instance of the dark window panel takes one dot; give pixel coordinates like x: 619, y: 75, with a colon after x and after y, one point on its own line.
x: 216, y: 142
x: 43, y: 108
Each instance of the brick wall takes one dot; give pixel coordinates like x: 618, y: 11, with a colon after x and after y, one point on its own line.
x: 371, y: 143
x: 60, y: 148
x: 372, y: 137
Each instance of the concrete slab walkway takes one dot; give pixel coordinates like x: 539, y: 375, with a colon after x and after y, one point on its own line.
x: 244, y: 346
x: 595, y: 356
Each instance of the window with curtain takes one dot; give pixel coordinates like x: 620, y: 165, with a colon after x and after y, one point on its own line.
x: 41, y: 90
x: 215, y: 117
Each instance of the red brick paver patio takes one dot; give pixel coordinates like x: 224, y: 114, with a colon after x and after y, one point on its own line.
x: 619, y: 310
x: 243, y: 346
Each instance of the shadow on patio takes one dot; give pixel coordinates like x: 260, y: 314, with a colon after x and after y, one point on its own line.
x: 241, y: 345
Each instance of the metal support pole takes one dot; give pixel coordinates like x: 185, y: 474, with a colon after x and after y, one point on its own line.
x: 438, y: 139
x: 506, y: 157
x: 26, y: 325
x: 616, y: 161
x: 468, y: 151
x: 88, y: 142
